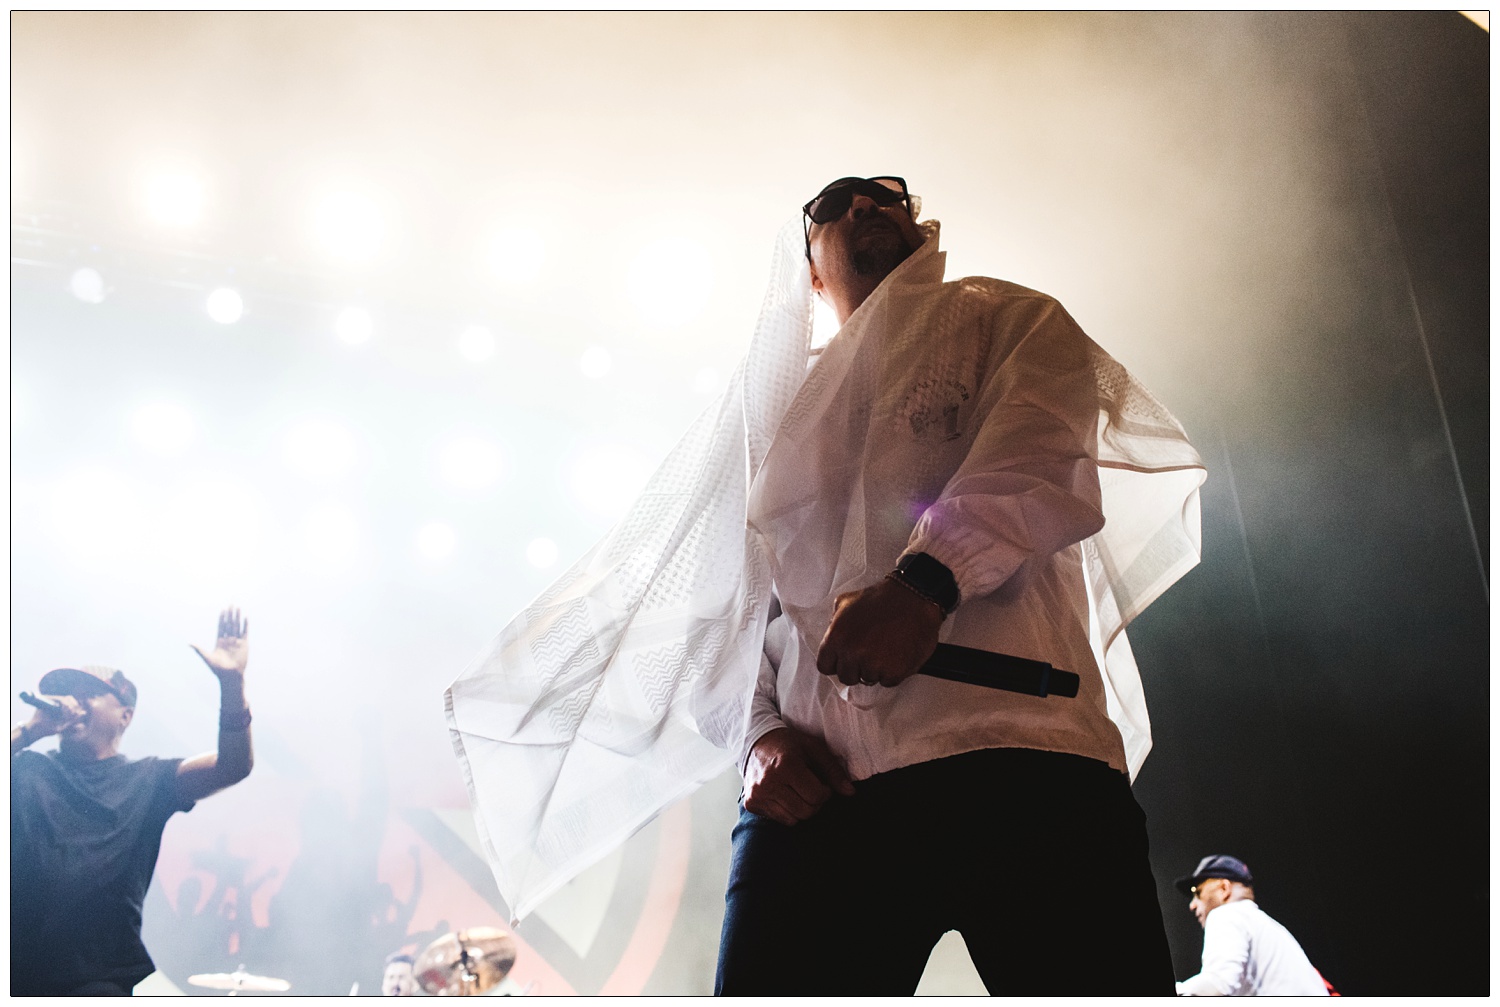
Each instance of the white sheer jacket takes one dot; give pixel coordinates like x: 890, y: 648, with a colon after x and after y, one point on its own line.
x: 960, y: 420
x: 971, y: 420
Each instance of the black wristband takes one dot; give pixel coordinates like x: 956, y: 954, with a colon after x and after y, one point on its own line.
x: 234, y: 720
x: 928, y: 578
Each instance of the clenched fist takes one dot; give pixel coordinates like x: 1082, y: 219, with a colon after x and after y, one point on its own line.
x: 790, y: 775
x: 879, y: 636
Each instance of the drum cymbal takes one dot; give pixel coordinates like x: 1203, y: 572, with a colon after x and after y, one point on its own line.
x: 466, y: 963
x: 240, y: 980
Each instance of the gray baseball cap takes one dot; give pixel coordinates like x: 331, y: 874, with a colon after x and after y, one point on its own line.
x: 90, y: 680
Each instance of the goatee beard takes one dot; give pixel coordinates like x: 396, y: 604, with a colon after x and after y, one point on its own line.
x: 880, y: 259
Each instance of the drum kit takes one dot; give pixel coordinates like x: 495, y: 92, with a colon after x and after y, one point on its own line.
x: 239, y: 981
x: 466, y: 963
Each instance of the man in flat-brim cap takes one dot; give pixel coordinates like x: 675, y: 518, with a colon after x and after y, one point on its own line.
x: 1245, y: 952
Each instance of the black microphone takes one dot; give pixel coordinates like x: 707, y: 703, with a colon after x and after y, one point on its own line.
x: 42, y: 704
x: 999, y: 671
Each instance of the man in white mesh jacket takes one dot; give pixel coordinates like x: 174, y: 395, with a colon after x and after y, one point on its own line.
x: 939, y: 485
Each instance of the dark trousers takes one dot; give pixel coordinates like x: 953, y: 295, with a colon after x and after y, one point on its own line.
x: 1038, y: 859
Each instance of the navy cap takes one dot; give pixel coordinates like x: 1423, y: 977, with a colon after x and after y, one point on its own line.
x: 1216, y: 866
x: 88, y: 681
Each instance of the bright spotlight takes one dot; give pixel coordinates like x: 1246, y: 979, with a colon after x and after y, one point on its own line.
x: 321, y: 450
x: 605, y: 480
x: 476, y: 343
x: 706, y: 381
x: 87, y: 285
x: 595, y: 362
x: 670, y: 281
x: 541, y: 553
x: 163, y: 428
x: 330, y: 535
x: 349, y: 226
x: 354, y: 325
x: 469, y: 463
x: 515, y: 255
x: 435, y: 541
x: 225, y: 306
x: 175, y: 199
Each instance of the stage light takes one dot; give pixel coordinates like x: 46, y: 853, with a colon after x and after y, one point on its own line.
x: 515, y: 255
x: 175, y: 198
x: 322, y: 449
x: 476, y: 343
x: 225, y: 306
x: 670, y: 280
x: 706, y: 381
x: 595, y: 362
x: 354, y: 325
x: 163, y: 428
x: 469, y: 463
x: 541, y: 553
x: 87, y: 285
x: 435, y: 541
x: 330, y: 535
x: 606, y: 479
x: 349, y: 226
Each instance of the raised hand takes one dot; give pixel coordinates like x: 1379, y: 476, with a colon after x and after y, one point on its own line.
x: 232, y: 648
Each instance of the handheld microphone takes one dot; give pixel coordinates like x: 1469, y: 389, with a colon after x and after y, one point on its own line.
x: 42, y: 704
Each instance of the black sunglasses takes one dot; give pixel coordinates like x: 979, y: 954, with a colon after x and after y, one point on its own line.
x: 836, y: 198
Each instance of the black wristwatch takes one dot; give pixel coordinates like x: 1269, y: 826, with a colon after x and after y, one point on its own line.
x: 928, y: 578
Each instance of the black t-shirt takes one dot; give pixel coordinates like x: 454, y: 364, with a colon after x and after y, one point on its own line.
x: 83, y: 843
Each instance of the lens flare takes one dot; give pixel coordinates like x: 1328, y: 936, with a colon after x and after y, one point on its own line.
x: 87, y: 285
x: 225, y: 306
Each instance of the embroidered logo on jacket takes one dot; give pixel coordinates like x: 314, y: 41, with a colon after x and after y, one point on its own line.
x: 931, y: 409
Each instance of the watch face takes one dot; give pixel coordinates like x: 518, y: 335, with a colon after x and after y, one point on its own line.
x: 930, y: 578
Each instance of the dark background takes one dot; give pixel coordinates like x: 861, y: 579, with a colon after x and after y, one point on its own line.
x: 1319, y: 687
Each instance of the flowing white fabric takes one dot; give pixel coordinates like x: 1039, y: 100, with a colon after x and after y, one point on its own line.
x: 628, y: 683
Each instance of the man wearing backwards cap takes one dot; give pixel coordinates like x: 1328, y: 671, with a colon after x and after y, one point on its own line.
x: 1245, y: 952
x: 86, y: 822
